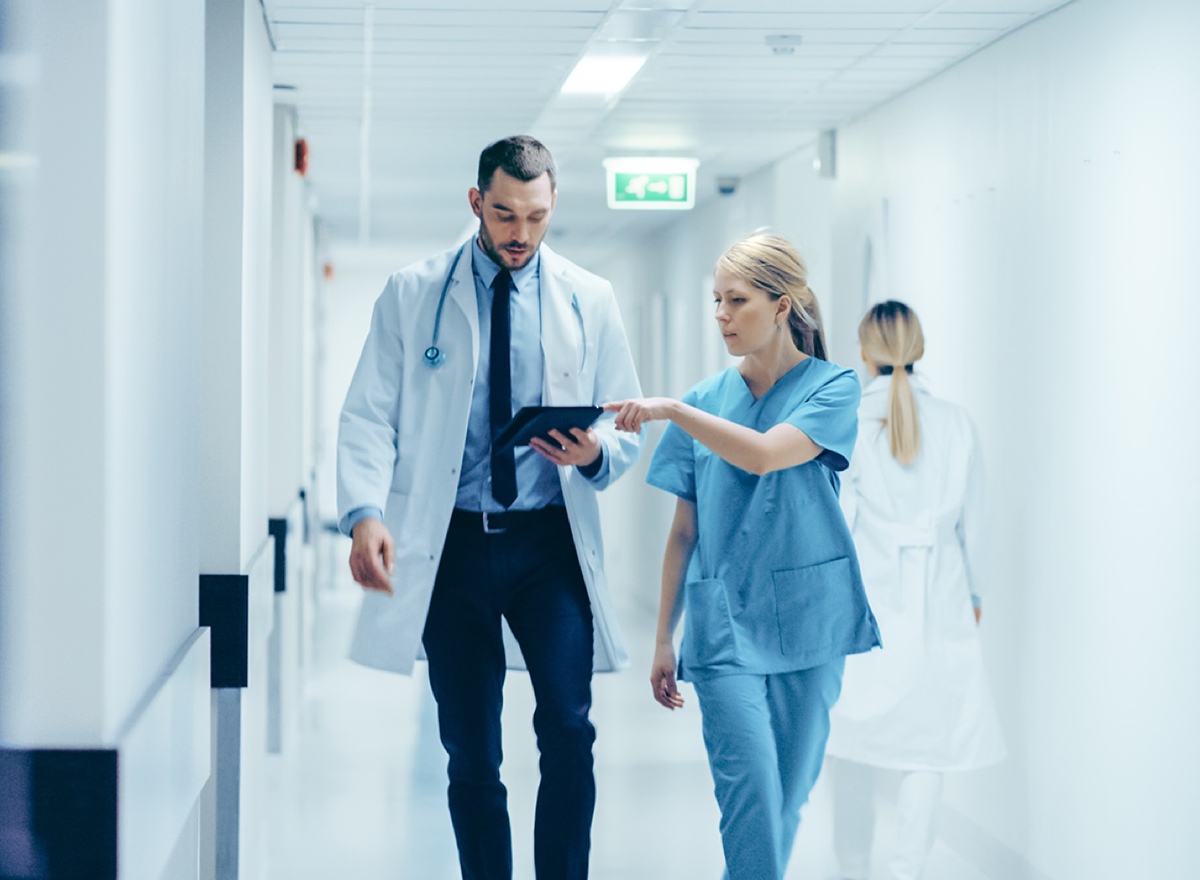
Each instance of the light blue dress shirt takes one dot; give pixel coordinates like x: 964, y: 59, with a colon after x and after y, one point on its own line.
x: 537, y: 478
x: 773, y: 585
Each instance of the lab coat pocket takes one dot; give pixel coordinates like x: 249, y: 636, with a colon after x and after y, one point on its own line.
x: 810, y: 603
x: 708, y: 629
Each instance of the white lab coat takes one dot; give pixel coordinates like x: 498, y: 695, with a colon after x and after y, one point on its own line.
x: 923, y: 701
x: 404, y: 426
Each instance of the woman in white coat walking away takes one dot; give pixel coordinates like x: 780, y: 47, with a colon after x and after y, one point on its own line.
x: 913, y: 500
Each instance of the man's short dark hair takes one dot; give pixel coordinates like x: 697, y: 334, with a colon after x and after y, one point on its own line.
x: 519, y: 156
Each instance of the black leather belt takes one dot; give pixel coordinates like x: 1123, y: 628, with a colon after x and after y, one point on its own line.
x: 509, y: 520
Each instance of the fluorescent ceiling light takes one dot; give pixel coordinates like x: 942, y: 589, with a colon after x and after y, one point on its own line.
x: 602, y: 74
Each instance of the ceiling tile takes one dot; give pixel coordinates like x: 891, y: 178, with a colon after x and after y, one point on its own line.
x: 819, y: 6
x: 801, y: 22
x: 758, y: 36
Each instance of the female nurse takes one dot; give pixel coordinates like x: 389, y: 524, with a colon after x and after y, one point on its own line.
x: 921, y: 706
x: 759, y: 560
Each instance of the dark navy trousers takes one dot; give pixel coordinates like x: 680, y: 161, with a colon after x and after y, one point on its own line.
x: 528, y: 575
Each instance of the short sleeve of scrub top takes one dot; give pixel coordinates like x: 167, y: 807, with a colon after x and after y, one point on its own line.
x: 674, y: 467
x: 830, y: 419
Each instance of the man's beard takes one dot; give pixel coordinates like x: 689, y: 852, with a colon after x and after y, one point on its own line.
x: 497, y: 254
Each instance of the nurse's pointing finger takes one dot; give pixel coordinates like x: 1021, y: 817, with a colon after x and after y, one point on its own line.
x: 621, y: 408
x: 630, y: 416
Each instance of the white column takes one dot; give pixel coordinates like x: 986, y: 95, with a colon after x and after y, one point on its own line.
x: 234, y: 454
x: 98, y: 628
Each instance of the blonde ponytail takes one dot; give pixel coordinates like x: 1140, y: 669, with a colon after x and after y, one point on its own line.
x: 891, y: 339
x: 904, y: 427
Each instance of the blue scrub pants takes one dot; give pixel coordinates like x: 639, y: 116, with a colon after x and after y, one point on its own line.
x: 765, y: 736
x: 530, y: 576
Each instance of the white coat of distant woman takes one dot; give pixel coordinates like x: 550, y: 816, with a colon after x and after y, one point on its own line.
x: 922, y: 706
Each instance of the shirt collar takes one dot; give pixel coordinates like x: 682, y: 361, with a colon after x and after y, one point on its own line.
x: 486, y: 269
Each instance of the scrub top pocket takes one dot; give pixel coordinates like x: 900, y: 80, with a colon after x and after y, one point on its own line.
x: 708, y: 628
x: 811, y: 605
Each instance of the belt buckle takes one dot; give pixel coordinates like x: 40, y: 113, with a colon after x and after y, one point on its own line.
x: 487, y: 528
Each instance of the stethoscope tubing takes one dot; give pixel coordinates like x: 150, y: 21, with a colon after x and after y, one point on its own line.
x: 434, y: 356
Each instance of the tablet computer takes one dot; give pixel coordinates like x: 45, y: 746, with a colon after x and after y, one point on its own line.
x: 539, y: 421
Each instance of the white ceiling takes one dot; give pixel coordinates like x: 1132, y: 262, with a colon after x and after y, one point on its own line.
x: 446, y: 77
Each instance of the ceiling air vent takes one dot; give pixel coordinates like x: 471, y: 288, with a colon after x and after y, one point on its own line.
x: 784, y: 44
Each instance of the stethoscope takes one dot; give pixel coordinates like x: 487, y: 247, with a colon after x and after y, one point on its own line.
x: 434, y: 356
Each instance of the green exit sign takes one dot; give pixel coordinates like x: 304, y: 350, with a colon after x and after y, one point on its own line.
x: 651, y: 184
x: 651, y: 187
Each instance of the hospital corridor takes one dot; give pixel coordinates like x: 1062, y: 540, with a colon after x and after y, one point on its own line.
x: 612, y: 439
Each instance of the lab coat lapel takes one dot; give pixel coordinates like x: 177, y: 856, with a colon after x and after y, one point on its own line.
x: 462, y: 295
x: 562, y: 343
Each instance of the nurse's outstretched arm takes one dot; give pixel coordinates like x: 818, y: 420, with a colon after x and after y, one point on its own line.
x: 680, y: 543
x: 759, y: 452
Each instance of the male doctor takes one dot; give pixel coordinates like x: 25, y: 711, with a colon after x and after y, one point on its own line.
x: 490, y: 560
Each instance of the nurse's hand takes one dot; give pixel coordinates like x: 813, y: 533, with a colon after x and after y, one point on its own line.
x: 581, y: 448
x: 632, y: 414
x: 373, y: 555
x: 662, y: 678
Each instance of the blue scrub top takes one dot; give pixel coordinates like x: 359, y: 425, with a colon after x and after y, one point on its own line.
x: 773, y: 585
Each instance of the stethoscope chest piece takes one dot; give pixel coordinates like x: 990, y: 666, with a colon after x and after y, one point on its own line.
x: 434, y: 356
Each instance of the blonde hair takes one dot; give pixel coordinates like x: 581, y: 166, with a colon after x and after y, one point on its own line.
x: 770, y: 264
x: 891, y: 338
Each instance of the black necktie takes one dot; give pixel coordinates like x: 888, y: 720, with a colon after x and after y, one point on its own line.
x: 504, y: 465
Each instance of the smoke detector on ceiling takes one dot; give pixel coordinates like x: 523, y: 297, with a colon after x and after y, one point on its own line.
x: 783, y: 44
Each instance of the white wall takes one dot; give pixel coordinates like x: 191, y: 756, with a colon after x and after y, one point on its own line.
x: 221, y: 324
x: 237, y: 268
x: 58, y: 451
x: 289, y: 440
x: 16, y: 201
x: 258, y: 159
x: 100, y: 524
x: 236, y: 395
x: 99, y: 645
x: 154, y: 186
x: 345, y: 302
x: 1042, y: 216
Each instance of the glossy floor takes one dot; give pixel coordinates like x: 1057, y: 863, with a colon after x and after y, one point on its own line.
x: 362, y: 793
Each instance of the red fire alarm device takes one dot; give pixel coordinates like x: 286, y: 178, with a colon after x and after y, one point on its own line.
x: 301, y: 163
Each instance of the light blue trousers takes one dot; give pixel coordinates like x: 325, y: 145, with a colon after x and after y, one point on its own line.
x: 765, y: 736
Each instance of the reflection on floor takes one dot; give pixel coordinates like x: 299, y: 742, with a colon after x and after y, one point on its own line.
x: 362, y: 793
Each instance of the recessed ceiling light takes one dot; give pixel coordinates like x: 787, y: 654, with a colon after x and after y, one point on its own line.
x: 602, y: 74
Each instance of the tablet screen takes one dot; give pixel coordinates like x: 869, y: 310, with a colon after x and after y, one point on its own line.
x: 539, y: 421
